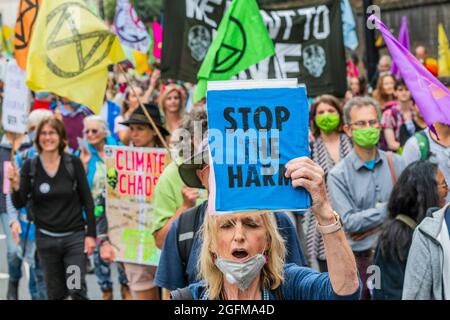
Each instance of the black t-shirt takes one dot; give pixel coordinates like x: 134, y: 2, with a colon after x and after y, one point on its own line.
x: 56, y: 206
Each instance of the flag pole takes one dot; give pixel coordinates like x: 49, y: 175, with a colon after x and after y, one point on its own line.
x: 12, y: 159
x: 152, y: 123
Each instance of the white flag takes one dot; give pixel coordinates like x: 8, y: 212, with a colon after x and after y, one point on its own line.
x: 129, y: 28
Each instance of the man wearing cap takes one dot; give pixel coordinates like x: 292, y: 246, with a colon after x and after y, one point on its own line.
x: 172, y: 197
x: 173, y: 272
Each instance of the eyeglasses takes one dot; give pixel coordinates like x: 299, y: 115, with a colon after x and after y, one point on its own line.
x: 362, y: 123
x: 94, y: 131
x: 48, y: 133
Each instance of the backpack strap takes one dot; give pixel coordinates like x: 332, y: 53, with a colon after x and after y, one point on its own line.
x: 23, y: 156
x: 424, y: 145
x: 68, y: 164
x: 390, y: 158
x: 31, y: 175
x: 181, y: 294
x: 187, y: 227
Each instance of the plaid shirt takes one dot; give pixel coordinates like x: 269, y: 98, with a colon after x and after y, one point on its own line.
x: 393, y: 119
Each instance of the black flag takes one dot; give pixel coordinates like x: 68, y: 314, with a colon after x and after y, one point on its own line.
x: 308, y: 43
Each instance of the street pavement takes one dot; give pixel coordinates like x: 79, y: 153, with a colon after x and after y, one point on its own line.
x: 94, y: 291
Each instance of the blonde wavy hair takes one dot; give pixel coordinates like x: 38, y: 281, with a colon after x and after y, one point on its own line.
x: 169, y: 89
x: 272, y: 272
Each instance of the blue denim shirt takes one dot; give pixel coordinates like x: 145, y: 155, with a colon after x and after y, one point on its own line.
x: 171, y: 273
x: 359, y: 195
x: 299, y: 283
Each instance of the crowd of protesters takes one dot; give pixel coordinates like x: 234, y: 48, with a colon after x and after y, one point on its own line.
x: 377, y: 177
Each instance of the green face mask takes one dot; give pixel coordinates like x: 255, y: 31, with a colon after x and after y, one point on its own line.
x: 366, y: 138
x: 327, y: 122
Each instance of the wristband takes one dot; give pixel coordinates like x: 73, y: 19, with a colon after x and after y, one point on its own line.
x: 331, y: 228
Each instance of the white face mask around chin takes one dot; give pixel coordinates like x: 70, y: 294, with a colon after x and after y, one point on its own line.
x: 242, y: 273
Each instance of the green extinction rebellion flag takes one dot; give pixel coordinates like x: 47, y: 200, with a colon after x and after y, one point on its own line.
x: 242, y: 40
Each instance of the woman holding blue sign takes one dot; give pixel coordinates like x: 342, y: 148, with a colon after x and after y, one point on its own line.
x: 329, y: 147
x: 242, y: 256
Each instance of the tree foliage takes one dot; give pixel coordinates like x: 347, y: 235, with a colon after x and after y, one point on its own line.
x: 147, y: 10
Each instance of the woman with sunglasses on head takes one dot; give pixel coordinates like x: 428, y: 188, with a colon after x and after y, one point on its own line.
x: 92, y: 155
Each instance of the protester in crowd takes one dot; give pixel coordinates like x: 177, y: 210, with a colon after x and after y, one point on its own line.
x: 109, y: 112
x: 243, y: 255
x: 383, y: 67
x: 16, y: 142
x: 92, y: 155
x: 181, y: 254
x: 417, y: 190
x: 357, y: 86
x: 23, y: 231
x: 130, y: 104
x: 72, y: 115
x: 413, y: 125
x: 421, y: 53
x: 425, y: 145
x: 172, y: 197
x: 153, y: 91
x: 361, y: 183
x: 121, y: 86
x: 384, y: 93
x: 395, y: 114
x: 427, y: 274
x: 133, y: 95
x: 55, y: 191
x: 430, y: 64
x: 352, y: 66
x: 329, y: 147
x: 111, y: 87
x: 172, y: 105
x: 42, y: 100
x: 140, y: 277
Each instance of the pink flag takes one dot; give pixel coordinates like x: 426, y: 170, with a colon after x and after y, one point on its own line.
x: 403, y: 38
x: 157, y: 39
x: 431, y: 96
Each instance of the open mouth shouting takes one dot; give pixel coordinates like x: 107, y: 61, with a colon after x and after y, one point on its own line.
x: 240, y: 254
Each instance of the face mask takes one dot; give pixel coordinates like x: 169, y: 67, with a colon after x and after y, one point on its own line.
x: 366, y: 138
x: 327, y: 122
x: 241, y: 273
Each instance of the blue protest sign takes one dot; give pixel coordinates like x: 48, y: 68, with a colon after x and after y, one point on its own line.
x: 253, y: 133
